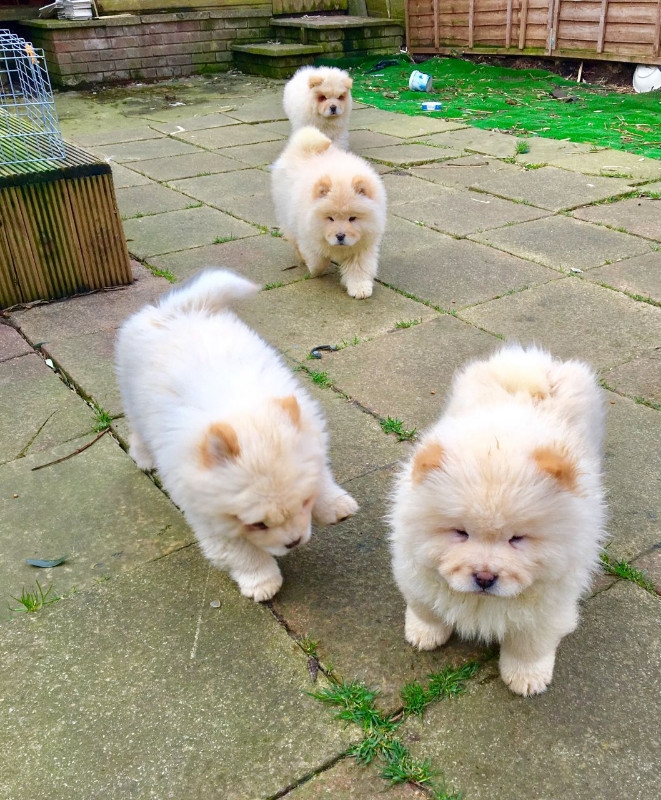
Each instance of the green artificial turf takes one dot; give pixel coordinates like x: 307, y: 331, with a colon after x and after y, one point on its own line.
x: 518, y: 101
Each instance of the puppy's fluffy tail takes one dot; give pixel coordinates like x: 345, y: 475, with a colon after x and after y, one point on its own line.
x: 210, y: 291
x: 308, y: 141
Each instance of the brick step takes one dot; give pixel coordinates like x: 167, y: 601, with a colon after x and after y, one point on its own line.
x: 342, y: 35
x: 274, y: 59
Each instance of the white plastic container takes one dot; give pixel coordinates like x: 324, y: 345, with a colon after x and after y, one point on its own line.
x: 420, y: 82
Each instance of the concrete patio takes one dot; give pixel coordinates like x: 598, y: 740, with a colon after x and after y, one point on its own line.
x: 135, y: 684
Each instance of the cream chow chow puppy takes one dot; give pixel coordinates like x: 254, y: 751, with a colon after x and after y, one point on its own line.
x: 320, y: 96
x: 498, y: 518
x: 239, y: 445
x: 330, y: 205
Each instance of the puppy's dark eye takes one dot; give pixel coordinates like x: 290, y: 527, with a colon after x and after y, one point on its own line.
x: 341, y: 97
x: 462, y: 535
x: 258, y: 526
x: 330, y: 219
x: 516, y: 539
x: 322, y: 98
x: 352, y: 219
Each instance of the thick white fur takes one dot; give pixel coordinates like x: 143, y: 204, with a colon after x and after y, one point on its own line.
x: 321, y: 97
x: 236, y: 440
x: 330, y: 205
x: 516, y: 454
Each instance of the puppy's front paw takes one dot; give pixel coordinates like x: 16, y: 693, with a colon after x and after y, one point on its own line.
x: 359, y: 289
x: 328, y: 511
x: 527, y: 678
x: 260, y: 587
x: 425, y: 635
x: 140, y: 453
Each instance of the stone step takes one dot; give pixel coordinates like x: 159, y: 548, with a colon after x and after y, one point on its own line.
x: 274, y: 59
x: 342, y: 35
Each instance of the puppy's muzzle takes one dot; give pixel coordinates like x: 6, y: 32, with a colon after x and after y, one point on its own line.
x: 293, y: 544
x: 485, y: 580
x: 340, y: 237
x: 333, y: 109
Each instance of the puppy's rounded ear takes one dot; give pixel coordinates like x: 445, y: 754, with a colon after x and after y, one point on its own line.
x: 291, y: 407
x: 219, y: 444
x: 363, y: 186
x: 322, y: 187
x: 428, y: 457
x: 348, y: 82
x: 556, y: 462
x: 314, y: 80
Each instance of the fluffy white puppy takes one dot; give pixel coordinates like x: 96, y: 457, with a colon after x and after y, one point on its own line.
x: 239, y: 445
x: 330, y: 205
x: 320, y: 96
x: 498, y: 518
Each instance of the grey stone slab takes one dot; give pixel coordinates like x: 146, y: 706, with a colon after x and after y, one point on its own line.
x: 245, y: 194
x: 140, y: 689
x: 263, y: 258
x: 402, y: 186
x: 551, y: 188
x: 564, y: 243
x: 151, y: 198
x: 118, y: 136
x: 592, y: 733
x: 449, y: 273
x: 638, y: 215
x: 639, y: 276
x: 632, y: 470
x: 39, y: 410
x: 256, y: 155
x: 405, y: 374
x: 403, y: 127
x: 191, y: 165
x: 281, y: 128
x: 96, y: 508
x: 650, y: 565
x: 266, y: 108
x: 302, y: 315
x: 613, y: 163
x: 407, y: 154
x: 338, y: 590
x: 144, y: 150
x: 547, y: 151
x: 651, y: 189
x: 491, y: 143
x: 574, y: 319
x: 179, y: 230
x: 88, y: 361
x: 462, y: 173
x: 12, y: 344
x: 199, y: 122
x: 123, y: 177
x: 229, y: 136
x: 361, y: 140
x: 640, y: 378
x: 350, y: 781
x: 460, y: 213
x: 100, y: 311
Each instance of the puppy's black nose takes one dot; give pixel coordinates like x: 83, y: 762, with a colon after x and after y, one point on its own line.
x: 293, y: 544
x: 340, y: 237
x: 333, y: 109
x: 485, y: 579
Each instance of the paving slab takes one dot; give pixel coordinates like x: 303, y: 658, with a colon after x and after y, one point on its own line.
x: 463, y: 173
x: 245, y: 193
x: 361, y: 140
x: 639, y: 378
x: 564, y: 243
x: 460, y: 213
x: 267, y: 108
x: 638, y: 215
x: 545, y: 151
x: 202, y: 162
x: 350, y: 781
x: 551, y: 188
x: 141, y: 689
x: 151, y: 198
x: 38, y: 410
x: 256, y: 155
x: 96, y: 508
x: 592, y: 733
x: 449, y: 273
x: 403, y: 127
x: 406, y: 154
x: 650, y: 564
x: 12, y: 344
x: 638, y: 276
x: 402, y: 186
x: 406, y: 373
x: 263, y: 258
x: 491, y: 143
x: 199, y: 122
x: 229, y: 136
x: 613, y: 163
x: 139, y: 133
x: 123, y: 176
x: 179, y: 230
x: 89, y: 313
x: 574, y: 319
x: 128, y: 152
x: 300, y: 316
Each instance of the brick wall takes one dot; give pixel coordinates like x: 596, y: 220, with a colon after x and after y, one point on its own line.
x: 145, y: 47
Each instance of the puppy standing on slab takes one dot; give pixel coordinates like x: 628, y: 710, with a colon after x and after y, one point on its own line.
x: 239, y: 445
x: 498, y: 518
x: 330, y: 205
x: 320, y: 96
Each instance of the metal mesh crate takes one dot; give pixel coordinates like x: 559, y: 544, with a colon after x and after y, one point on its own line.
x: 29, y: 128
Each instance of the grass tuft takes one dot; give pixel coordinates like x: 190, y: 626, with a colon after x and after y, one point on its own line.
x: 320, y: 378
x: 102, y: 420
x: 407, y: 323
x: 623, y: 569
x: 396, y: 426
x: 35, y: 600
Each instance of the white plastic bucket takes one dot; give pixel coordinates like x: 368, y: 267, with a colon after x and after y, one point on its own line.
x: 419, y: 82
